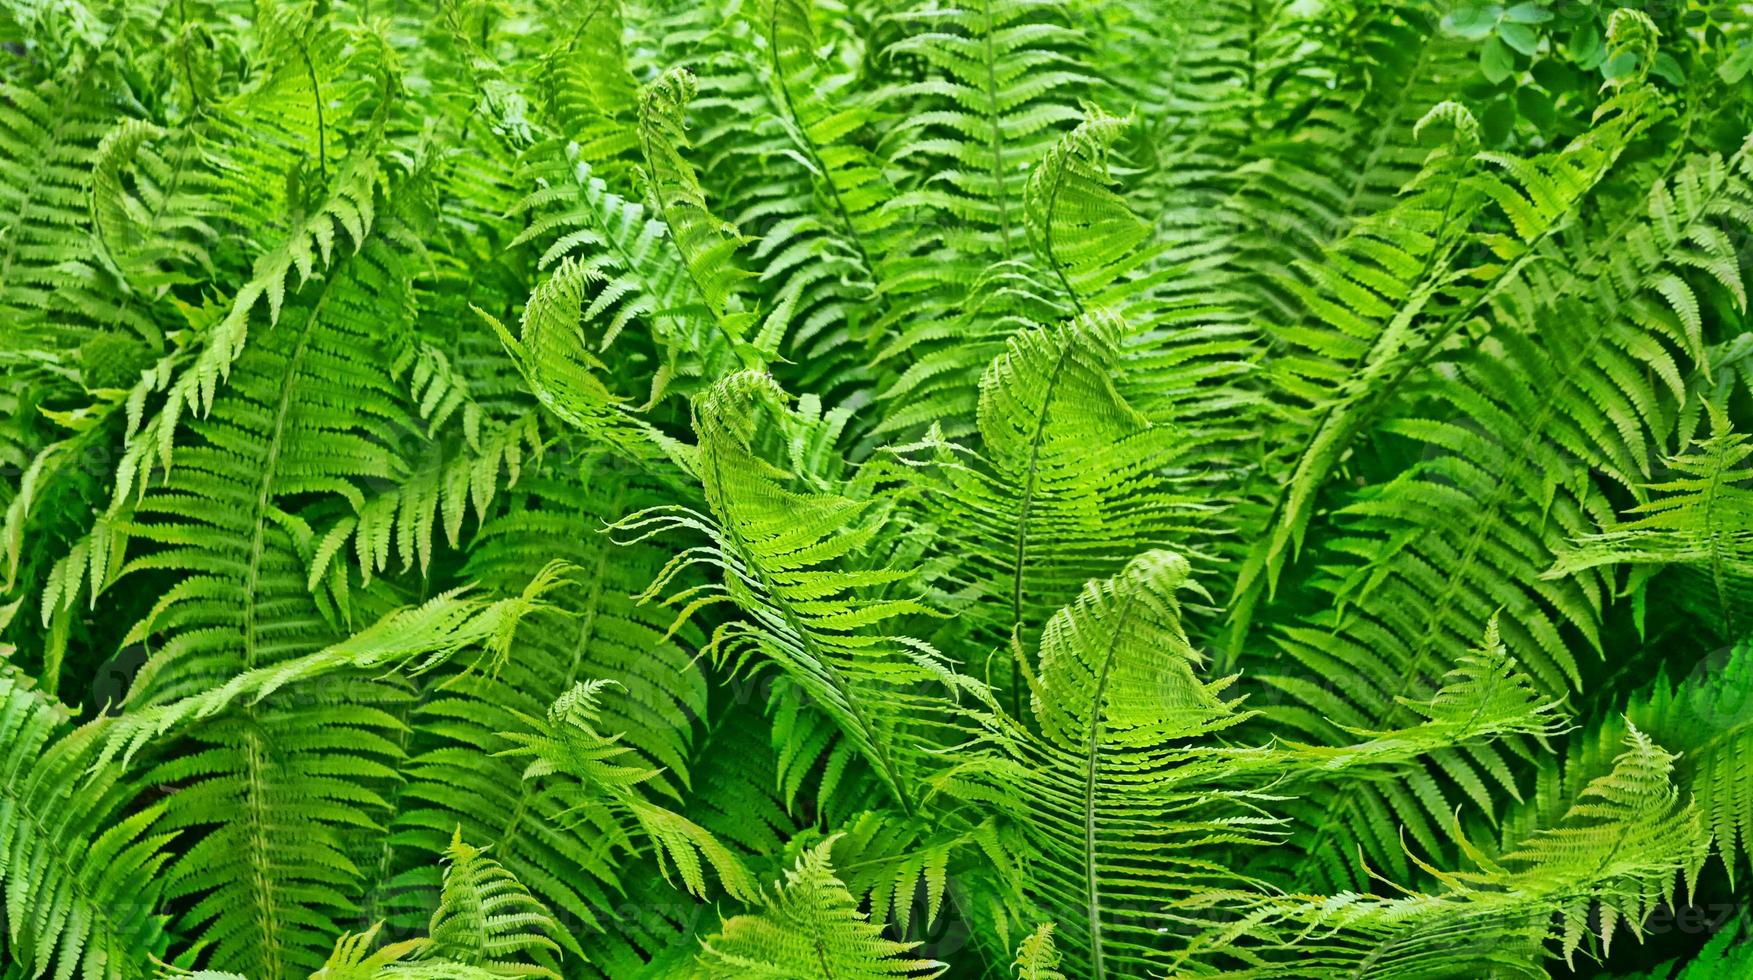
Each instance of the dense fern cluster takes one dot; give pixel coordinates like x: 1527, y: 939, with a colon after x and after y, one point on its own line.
x: 875, y: 488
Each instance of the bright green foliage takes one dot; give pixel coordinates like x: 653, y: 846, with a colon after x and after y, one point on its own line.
x: 643, y: 489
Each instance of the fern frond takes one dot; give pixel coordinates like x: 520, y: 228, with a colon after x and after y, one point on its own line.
x: 707, y: 244
x: 1701, y: 518
x: 1609, y: 860
x: 791, y: 556
x: 429, y: 634
x: 590, y: 626
x: 446, y: 483
x: 81, y: 866
x: 569, y: 743
x: 1419, y: 562
x: 1081, y: 229
x: 591, y: 96
x: 809, y: 927
x: 783, y: 140
x: 627, y: 272
x: 1003, y: 77
x: 487, y: 918
x: 1704, y: 716
x: 277, y: 785
x: 152, y: 210
x: 1036, y: 957
x: 1108, y: 799
x: 1062, y: 456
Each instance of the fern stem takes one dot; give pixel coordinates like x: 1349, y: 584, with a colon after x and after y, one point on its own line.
x: 316, y: 92
x: 1047, y: 239
x: 1092, y: 890
x: 1030, y: 486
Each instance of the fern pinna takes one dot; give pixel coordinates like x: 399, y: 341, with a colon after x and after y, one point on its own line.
x: 875, y: 488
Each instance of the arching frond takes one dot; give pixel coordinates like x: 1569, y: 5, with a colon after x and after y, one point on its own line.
x: 1062, y: 456
x: 792, y: 558
x: 1601, y: 867
x: 707, y: 243
x: 1078, y: 226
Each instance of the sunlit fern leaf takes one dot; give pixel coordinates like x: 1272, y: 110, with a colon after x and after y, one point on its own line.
x: 808, y: 928
x: 1066, y: 449
x: 554, y: 348
x: 415, y: 638
x: 1036, y: 956
x: 81, y: 863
